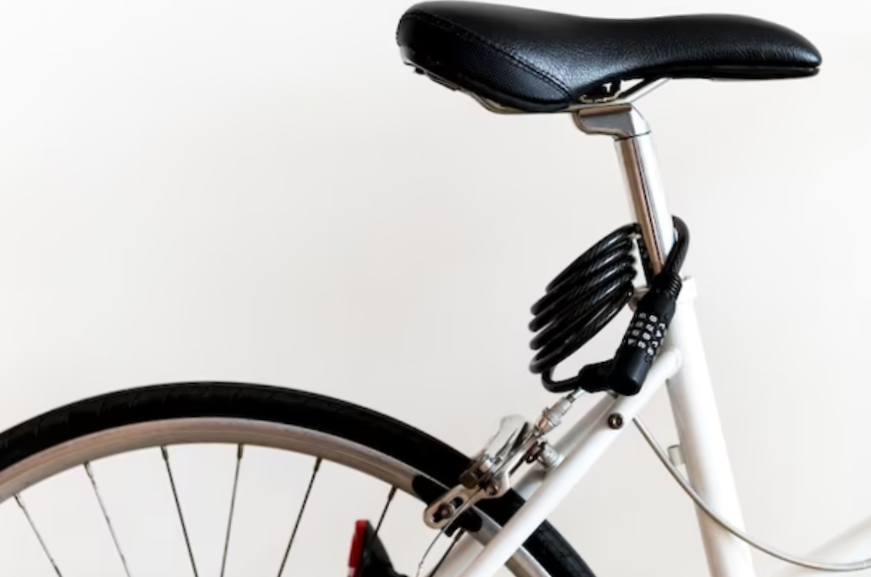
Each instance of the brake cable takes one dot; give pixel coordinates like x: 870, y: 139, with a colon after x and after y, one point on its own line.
x: 730, y: 527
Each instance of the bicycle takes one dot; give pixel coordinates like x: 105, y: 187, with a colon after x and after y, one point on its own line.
x: 512, y: 61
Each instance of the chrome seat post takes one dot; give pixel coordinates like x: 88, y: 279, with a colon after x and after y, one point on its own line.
x: 639, y: 167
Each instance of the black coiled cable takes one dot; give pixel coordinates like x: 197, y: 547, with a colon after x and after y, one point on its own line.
x: 590, y: 292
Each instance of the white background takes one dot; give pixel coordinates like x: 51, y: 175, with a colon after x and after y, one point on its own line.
x: 262, y: 192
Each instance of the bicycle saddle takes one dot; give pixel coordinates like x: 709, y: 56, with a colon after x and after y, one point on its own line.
x: 535, y: 61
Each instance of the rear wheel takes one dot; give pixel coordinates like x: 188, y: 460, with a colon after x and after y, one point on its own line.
x: 328, y: 430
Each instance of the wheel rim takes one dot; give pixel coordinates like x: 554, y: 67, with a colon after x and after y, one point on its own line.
x: 230, y: 431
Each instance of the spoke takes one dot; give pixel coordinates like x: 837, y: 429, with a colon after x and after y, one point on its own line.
x: 21, y: 504
x: 239, y: 453
x: 428, y: 551
x: 165, y: 452
x: 308, y: 491
x: 443, y: 557
x: 374, y: 536
x: 93, y: 479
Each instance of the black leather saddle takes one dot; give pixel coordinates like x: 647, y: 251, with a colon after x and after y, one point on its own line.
x: 537, y: 61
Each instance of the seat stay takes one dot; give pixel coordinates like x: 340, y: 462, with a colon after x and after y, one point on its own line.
x: 588, y: 445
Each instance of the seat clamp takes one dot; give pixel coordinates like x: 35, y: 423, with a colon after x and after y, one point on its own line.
x: 619, y: 121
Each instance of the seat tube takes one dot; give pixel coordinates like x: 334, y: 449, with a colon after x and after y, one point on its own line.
x: 690, y: 390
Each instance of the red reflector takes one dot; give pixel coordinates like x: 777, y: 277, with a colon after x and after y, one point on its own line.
x: 355, y: 560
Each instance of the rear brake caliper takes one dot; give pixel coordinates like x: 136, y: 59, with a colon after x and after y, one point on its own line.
x: 489, y: 476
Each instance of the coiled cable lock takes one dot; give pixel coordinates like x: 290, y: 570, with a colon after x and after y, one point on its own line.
x: 588, y: 294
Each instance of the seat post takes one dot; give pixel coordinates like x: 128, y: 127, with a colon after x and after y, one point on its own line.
x: 640, y: 170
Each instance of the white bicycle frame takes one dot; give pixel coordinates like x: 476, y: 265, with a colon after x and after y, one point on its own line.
x: 680, y: 366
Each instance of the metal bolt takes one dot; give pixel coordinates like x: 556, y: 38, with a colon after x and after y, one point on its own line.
x: 485, y: 464
x: 445, y: 511
x: 615, y: 421
x: 548, y: 456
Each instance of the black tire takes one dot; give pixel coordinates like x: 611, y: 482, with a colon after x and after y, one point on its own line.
x: 286, y: 406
